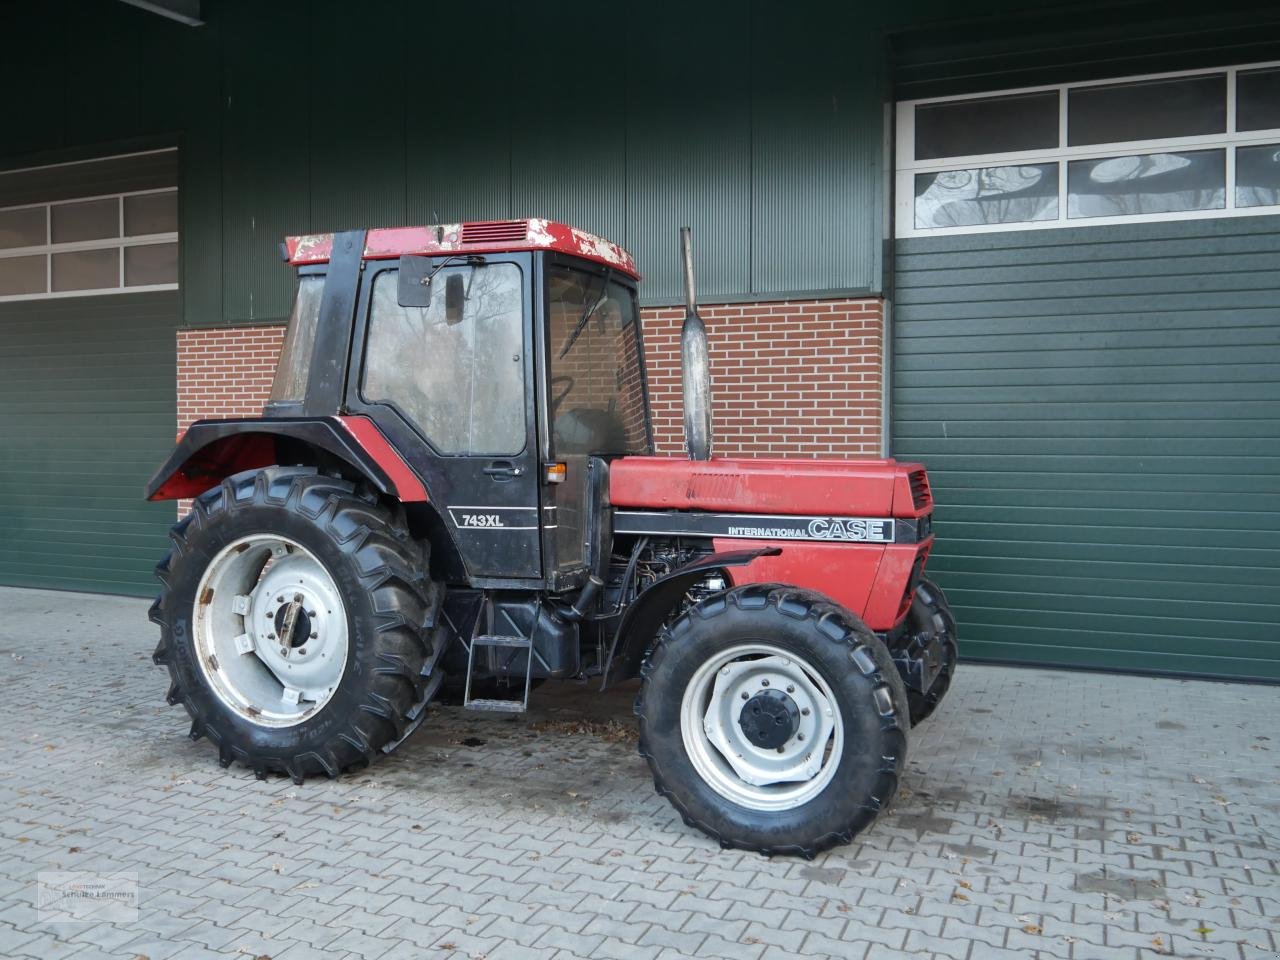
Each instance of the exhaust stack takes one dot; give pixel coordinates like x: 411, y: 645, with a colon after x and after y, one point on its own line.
x: 695, y: 363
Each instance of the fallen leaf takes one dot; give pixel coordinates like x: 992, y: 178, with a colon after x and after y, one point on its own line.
x: 1033, y: 928
x: 572, y: 793
x: 1133, y: 837
x: 448, y: 945
x: 957, y: 895
x: 75, y: 850
x: 1203, y: 930
x: 966, y: 884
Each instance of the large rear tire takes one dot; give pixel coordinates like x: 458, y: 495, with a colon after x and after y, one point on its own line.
x: 298, y: 623
x: 773, y: 720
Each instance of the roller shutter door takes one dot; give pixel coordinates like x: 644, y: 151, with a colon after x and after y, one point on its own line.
x: 87, y: 388
x: 1100, y: 412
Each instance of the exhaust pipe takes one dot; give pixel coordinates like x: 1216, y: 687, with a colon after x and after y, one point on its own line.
x: 695, y: 364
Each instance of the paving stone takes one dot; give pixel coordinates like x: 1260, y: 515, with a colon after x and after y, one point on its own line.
x: 482, y: 847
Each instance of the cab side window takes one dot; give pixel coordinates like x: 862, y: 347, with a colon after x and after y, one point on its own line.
x: 458, y: 379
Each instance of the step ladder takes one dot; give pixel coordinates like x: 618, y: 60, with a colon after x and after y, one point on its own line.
x: 482, y: 636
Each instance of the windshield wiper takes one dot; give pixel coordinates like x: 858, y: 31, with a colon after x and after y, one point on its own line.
x: 587, y: 314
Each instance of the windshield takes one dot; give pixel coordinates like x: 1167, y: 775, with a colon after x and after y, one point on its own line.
x: 596, y: 382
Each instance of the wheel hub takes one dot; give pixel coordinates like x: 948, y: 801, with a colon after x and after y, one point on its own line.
x: 272, y: 630
x: 769, y: 719
x: 761, y: 728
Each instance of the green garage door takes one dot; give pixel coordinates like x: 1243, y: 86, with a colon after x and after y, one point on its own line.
x: 87, y: 389
x: 1100, y: 413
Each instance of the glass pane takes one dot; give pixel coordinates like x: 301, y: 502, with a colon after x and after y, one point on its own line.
x: 1258, y: 99
x: 299, y: 338
x: 150, y: 263
x: 86, y: 220
x: 964, y: 128
x: 86, y: 270
x: 150, y: 213
x: 1147, y: 110
x: 597, y: 395
x: 962, y: 198
x: 19, y: 275
x: 461, y: 383
x: 1258, y: 176
x: 22, y: 228
x: 1147, y: 183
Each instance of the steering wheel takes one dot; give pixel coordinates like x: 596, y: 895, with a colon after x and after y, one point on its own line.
x: 559, y: 398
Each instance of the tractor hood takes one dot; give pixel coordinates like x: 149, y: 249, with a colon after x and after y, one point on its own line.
x: 868, y: 488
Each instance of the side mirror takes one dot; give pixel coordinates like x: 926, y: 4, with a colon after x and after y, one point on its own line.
x: 412, y: 290
x: 455, y: 299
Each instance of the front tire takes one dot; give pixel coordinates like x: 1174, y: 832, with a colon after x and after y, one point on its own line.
x: 297, y: 623
x: 931, y: 613
x: 773, y: 720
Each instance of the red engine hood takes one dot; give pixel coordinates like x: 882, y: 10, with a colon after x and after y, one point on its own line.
x: 866, y: 488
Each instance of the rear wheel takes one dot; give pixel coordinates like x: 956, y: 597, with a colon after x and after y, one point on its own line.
x: 297, y: 623
x: 773, y: 720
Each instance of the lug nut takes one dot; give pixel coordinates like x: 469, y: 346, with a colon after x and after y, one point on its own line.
x: 314, y: 634
x: 764, y: 683
x: 745, y: 695
x: 791, y: 688
x: 804, y: 712
x: 311, y: 613
x: 271, y: 636
x: 284, y: 651
x: 799, y: 736
x: 302, y: 651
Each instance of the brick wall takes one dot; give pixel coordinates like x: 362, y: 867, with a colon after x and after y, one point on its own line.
x: 797, y: 378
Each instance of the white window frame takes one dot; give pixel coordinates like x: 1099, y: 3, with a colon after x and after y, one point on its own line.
x: 907, y: 167
x: 120, y: 243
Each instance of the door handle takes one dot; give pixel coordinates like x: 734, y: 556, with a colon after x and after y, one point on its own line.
x: 503, y: 470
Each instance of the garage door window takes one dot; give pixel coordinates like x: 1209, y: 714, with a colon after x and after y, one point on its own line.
x: 121, y: 243
x: 1166, y: 147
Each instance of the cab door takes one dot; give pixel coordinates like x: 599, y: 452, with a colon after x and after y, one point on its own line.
x: 445, y: 369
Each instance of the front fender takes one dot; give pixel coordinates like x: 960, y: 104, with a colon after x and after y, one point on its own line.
x: 212, y: 450
x: 641, y: 620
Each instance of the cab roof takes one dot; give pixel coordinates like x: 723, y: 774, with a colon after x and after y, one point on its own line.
x: 479, y: 236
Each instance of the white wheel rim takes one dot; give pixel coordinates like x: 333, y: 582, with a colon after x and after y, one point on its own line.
x: 270, y: 630
x: 752, y: 776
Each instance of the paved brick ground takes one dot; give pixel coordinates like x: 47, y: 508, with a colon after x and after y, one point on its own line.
x: 1043, y: 814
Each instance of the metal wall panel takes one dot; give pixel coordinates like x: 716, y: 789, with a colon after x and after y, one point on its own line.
x: 568, y: 138
x: 688, y: 147
x: 88, y: 389
x: 1099, y: 410
x: 357, y: 129
x: 817, y: 145
x: 459, y: 146
x: 268, y: 90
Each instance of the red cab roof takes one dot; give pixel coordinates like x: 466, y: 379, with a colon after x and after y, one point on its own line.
x: 483, y: 236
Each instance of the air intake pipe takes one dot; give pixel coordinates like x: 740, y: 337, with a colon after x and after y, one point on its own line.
x: 695, y: 363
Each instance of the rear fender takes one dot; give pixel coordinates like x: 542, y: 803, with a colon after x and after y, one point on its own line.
x: 212, y: 450
x: 641, y: 620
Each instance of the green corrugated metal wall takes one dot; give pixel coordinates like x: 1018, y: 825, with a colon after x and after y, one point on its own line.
x: 87, y: 386
x: 750, y: 122
x: 1100, y: 413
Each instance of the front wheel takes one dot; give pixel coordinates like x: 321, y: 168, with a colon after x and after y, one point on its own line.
x: 773, y: 720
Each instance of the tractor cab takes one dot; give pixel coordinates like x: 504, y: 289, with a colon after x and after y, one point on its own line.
x: 503, y: 362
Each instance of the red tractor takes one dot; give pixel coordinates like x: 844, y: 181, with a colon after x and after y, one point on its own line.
x: 454, y: 478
